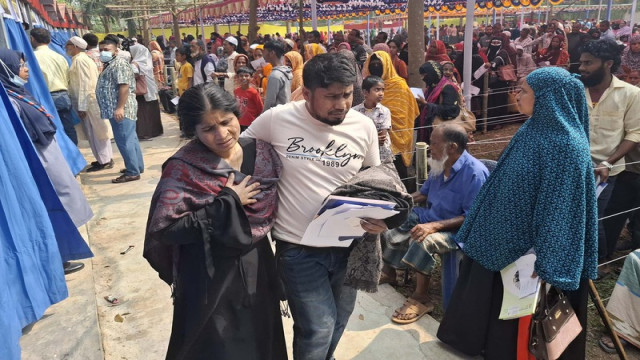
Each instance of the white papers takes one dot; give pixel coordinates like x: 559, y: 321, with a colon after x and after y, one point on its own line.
x: 521, y: 292
x: 338, y: 222
x: 528, y: 284
x: 258, y: 64
x: 417, y: 93
x: 474, y: 90
x: 175, y: 100
x: 481, y: 70
x: 599, y: 188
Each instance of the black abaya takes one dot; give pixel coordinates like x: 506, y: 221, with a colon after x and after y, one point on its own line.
x: 471, y: 323
x: 235, y: 314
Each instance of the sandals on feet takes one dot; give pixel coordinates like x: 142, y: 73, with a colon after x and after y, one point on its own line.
x: 125, y: 178
x: 412, y: 307
x: 606, y: 344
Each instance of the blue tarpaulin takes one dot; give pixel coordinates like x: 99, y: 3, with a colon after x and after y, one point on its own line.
x: 18, y: 40
x: 30, y: 263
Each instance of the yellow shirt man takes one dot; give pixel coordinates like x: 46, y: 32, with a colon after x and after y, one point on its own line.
x: 54, y: 67
x: 616, y: 117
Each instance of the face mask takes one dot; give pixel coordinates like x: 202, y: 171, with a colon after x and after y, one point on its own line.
x: 15, y: 79
x: 106, y: 56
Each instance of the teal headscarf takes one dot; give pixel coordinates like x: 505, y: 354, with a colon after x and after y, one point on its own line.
x: 542, y: 193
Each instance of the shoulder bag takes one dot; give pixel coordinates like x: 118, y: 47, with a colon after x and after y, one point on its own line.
x: 507, y: 72
x: 141, y: 84
x: 554, y: 327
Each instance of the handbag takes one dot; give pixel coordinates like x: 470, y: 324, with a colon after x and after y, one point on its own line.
x: 507, y: 72
x: 141, y: 84
x: 553, y: 328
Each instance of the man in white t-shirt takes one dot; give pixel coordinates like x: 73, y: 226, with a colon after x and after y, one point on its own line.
x: 322, y: 144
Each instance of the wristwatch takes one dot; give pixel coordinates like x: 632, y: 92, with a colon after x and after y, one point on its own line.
x: 607, y: 165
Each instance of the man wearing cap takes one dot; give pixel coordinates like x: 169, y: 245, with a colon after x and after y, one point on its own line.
x: 524, y: 40
x: 525, y: 63
x: 203, y: 66
x: 56, y: 74
x: 229, y: 46
x: 289, y: 45
x: 83, y: 78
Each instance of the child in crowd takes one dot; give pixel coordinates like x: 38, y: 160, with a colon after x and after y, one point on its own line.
x: 185, y: 73
x: 633, y: 77
x: 249, y: 101
x: 373, y: 90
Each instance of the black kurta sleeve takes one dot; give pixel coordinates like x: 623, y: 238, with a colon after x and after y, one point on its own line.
x: 223, y: 220
x: 448, y: 108
x: 222, y: 227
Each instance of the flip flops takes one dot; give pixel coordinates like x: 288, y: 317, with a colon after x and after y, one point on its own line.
x: 412, y: 307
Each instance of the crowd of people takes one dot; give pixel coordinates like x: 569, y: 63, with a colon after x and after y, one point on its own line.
x: 279, y: 124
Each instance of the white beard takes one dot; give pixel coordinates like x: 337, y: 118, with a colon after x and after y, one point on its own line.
x: 437, y: 166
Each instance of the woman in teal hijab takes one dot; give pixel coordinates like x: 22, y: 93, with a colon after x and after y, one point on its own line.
x: 541, y: 196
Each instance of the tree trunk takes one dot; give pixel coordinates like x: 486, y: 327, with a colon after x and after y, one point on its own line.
x: 253, y: 20
x: 176, y: 26
x: 416, y: 46
x: 106, y: 23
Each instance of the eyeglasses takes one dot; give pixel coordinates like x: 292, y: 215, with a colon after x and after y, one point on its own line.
x: 23, y: 65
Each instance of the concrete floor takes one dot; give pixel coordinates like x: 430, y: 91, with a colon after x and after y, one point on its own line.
x: 87, y: 327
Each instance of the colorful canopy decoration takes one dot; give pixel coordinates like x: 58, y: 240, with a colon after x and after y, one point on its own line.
x: 237, y: 11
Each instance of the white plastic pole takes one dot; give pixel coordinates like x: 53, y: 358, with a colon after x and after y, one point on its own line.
x: 468, y: 43
x: 633, y: 13
x: 314, y: 15
x: 438, y: 26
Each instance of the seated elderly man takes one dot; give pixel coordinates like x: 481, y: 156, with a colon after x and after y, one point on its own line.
x: 454, y: 181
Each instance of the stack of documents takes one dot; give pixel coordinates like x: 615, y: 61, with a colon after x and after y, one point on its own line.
x: 337, y: 222
x: 521, y: 291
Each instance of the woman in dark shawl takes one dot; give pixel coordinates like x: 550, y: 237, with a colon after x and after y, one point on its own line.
x: 545, y: 203
x: 207, y: 236
x: 441, y: 99
x: 500, y: 53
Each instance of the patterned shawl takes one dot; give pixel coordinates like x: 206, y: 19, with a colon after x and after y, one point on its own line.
x: 542, y: 193
x: 190, y: 180
x: 629, y: 58
x: 400, y: 100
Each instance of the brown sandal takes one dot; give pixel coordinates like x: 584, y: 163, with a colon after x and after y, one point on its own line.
x: 125, y: 178
x: 412, y: 307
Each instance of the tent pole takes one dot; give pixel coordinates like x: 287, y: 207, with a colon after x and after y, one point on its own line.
x: 368, y: 28
x: 599, y: 11
x: 438, y: 26
x: 468, y: 43
x: 609, y: 5
x: 632, y: 19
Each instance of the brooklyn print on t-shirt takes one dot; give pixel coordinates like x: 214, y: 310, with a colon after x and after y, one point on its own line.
x: 333, y: 154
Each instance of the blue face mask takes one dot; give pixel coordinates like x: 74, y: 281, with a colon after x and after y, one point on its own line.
x: 15, y: 79
x: 106, y: 56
